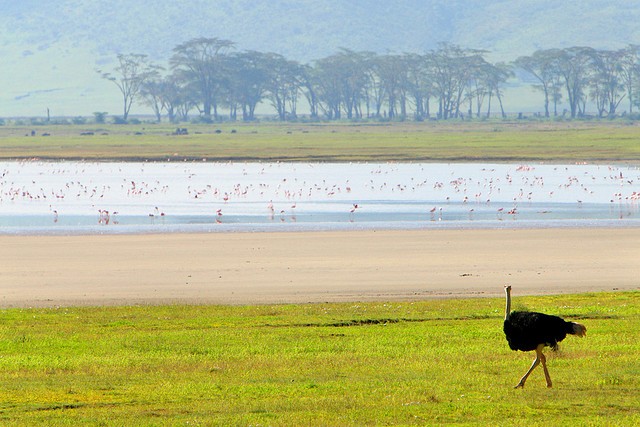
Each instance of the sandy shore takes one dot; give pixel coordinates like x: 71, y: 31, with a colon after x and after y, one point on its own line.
x: 248, y: 268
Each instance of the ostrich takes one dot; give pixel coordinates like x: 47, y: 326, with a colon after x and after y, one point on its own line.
x: 527, y: 331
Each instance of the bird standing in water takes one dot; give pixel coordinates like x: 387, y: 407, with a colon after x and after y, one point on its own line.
x: 528, y: 331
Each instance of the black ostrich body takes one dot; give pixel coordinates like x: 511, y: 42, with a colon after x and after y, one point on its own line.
x: 526, y: 330
x: 529, y: 331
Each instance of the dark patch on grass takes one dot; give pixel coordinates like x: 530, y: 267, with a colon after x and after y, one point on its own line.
x: 260, y: 411
x: 382, y: 321
x: 363, y: 322
x: 590, y: 316
x: 60, y: 406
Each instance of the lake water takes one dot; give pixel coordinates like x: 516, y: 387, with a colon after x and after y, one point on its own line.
x: 84, y: 197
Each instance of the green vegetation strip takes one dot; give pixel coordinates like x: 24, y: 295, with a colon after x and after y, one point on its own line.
x: 500, y: 141
x: 420, y: 363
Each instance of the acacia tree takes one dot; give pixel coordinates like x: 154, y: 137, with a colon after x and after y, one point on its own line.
x: 282, y: 84
x: 132, y: 71
x: 501, y: 72
x: 450, y: 71
x: 375, y: 87
x: 348, y: 67
x: 419, y: 84
x: 152, y: 92
x: 629, y: 72
x: 478, y: 85
x: 573, y: 65
x: 199, y: 61
x: 248, y: 84
x: 327, y: 80
x: 393, y: 75
x: 541, y: 66
x: 339, y: 83
x: 605, y: 87
x: 309, y: 89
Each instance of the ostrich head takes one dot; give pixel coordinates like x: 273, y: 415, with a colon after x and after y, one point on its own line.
x: 578, y: 329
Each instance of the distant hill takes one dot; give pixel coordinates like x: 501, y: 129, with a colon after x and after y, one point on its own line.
x: 51, y: 49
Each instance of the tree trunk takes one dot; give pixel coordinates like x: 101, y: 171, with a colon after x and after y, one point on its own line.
x: 125, y: 112
x: 504, y: 116
x: 206, y: 108
x: 546, y: 102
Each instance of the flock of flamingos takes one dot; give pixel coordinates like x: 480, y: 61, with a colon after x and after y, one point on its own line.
x: 109, y: 194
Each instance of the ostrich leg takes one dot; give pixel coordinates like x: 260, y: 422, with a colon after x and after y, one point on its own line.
x: 539, y: 356
x: 543, y: 359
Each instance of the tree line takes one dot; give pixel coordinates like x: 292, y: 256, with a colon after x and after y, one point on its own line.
x: 208, y: 77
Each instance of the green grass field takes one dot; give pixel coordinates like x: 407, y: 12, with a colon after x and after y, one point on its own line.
x: 499, y: 141
x: 424, y: 363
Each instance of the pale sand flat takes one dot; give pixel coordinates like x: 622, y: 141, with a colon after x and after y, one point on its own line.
x: 292, y: 267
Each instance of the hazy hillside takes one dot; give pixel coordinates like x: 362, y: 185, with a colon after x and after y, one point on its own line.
x: 511, y: 30
x: 51, y: 49
x: 300, y: 29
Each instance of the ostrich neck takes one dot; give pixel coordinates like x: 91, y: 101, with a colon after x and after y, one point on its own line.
x: 507, y: 309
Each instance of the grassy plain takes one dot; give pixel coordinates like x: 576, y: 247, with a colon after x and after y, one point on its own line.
x: 430, y: 141
x: 423, y: 363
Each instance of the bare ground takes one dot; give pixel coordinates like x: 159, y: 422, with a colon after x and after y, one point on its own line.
x: 266, y: 268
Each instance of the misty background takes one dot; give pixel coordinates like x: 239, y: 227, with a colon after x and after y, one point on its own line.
x: 50, y: 50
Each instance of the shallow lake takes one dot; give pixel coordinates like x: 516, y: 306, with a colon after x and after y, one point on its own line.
x: 85, y: 197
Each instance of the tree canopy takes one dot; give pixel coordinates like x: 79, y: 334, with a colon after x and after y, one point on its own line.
x: 208, y: 76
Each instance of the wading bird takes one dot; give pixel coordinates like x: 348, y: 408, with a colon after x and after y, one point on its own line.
x: 528, y: 331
